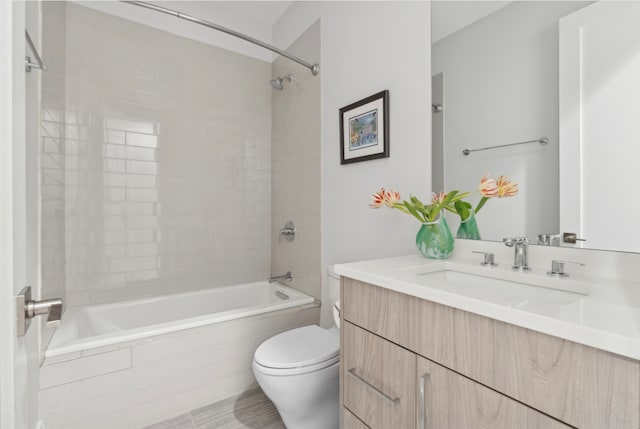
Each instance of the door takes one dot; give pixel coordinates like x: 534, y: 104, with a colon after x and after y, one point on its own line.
x: 447, y: 399
x: 378, y: 378
x: 19, y: 364
x: 599, y: 127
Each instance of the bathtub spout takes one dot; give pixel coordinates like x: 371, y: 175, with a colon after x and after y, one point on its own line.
x: 287, y: 277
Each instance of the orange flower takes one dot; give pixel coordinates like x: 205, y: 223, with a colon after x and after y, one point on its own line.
x: 506, y: 188
x: 391, y: 197
x: 488, y: 187
x: 384, y: 198
x: 438, y: 198
x: 377, y: 199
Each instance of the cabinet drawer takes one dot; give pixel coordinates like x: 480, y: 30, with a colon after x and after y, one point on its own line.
x: 580, y: 385
x: 349, y: 421
x: 378, y: 378
x: 449, y: 400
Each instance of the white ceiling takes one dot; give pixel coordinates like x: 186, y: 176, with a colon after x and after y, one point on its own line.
x: 447, y: 17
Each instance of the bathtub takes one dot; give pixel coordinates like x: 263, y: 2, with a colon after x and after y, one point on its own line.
x: 103, y: 325
x: 135, y: 363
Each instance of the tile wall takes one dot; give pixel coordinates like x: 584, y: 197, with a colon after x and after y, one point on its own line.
x: 295, y: 190
x: 52, y: 159
x: 168, y: 162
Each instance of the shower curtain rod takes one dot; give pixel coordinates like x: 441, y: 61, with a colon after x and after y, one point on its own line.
x: 315, y: 68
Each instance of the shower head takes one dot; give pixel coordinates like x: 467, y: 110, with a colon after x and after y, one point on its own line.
x: 278, y: 83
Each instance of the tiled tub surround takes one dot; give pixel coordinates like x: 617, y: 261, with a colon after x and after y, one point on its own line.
x: 295, y: 182
x: 167, y: 163
x: 52, y: 168
x: 140, y: 382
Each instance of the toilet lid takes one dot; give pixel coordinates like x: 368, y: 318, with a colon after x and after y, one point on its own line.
x: 298, y: 347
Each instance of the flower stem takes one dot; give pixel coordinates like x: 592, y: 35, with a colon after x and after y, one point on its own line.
x: 481, y: 204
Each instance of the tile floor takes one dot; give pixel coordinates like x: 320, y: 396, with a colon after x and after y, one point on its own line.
x: 250, y: 410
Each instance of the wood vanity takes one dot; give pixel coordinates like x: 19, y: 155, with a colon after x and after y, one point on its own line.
x: 410, y: 363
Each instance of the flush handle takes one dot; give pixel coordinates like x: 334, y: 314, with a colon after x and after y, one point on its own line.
x: 27, y: 309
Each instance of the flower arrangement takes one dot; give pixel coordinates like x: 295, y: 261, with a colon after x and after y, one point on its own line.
x: 434, y: 239
x: 488, y: 188
x: 425, y: 213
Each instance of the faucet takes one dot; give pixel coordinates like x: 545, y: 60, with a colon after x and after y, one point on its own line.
x: 287, y: 276
x: 520, y: 244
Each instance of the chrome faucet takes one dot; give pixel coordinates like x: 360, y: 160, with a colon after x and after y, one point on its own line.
x: 287, y: 276
x: 520, y: 245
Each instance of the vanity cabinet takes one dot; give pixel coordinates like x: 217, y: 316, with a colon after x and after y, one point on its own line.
x: 405, y: 357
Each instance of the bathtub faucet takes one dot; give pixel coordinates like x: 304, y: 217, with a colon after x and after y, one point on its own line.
x: 286, y: 276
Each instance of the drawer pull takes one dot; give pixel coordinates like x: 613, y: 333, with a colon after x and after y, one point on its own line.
x: 422, y: 412
x: 377, y: 391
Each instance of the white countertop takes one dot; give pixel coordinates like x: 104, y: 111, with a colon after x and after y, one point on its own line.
x: 601, y: 313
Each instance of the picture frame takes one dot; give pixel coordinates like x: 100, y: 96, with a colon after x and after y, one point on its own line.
x: 364, y: 129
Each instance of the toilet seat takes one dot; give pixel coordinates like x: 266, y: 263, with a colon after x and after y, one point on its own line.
x: 298, y: 351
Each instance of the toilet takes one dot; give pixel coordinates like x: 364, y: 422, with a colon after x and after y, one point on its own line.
x: 299, y: 371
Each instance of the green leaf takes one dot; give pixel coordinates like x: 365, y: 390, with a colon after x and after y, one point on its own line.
x: 413, y: 211
x: 463, y: 208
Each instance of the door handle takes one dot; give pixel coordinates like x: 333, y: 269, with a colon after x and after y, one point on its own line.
x: 422, y: 395
x: 373, y: 388
x: 27, y: 308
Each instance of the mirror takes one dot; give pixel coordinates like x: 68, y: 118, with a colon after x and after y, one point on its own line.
x: 496, y: 81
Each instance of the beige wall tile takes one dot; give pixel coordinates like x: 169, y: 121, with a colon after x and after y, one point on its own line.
x: 295, y: 189
x: 166, y: 180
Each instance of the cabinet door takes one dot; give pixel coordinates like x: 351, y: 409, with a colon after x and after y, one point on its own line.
x: 349, y: 421
x: 447, y: 399
x: 379, y: 380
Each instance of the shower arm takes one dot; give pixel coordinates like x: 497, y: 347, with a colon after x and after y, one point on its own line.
x: 314, y: 68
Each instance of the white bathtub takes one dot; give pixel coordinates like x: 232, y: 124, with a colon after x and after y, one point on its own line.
x: 103, y: 325
x: 132, y: 364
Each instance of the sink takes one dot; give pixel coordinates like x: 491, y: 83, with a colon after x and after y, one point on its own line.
x: 521, y: 291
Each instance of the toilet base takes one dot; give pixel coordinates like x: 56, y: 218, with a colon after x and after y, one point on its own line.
x: 304, y: 401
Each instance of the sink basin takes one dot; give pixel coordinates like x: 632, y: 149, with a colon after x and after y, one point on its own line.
x: 518, y: 293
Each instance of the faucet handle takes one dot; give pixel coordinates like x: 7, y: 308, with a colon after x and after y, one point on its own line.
x: 488, y: 258
x: 548, y: 239
x: 557, y: 268
x: 512, y: 241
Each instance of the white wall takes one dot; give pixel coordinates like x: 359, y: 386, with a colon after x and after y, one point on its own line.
x: 450, y: 16
x: 599, y: 127
x: 501, y: 86
x: 368, y: 47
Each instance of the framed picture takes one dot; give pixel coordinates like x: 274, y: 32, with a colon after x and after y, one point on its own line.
x: 364, y: 129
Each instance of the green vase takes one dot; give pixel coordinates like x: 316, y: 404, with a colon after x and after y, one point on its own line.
x: 469, y: 228
x: 434, y: 240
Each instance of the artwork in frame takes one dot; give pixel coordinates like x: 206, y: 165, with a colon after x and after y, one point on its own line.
x: 364, y: 129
